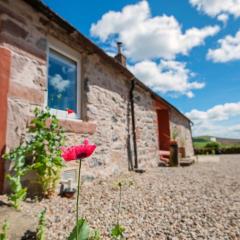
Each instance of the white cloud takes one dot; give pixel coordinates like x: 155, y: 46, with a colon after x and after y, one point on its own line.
x: 68, y: 69
x: 217, y: 113
x: 217, y: 121
x: 215, y: 8
x: 111, y: 54
x: 166, y: 77
x: 217, y: 130
x: 229, y: 49
x: 147, y: 37
x: 59, y: 83
x: 223, y: 18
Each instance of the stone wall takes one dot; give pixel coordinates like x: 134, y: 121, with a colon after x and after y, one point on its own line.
x: 182, y: 126
x: 108, y: 104
x: 105, y: 110
x: 18, y: 34
x: 146, y: 129
x: 107, y: 94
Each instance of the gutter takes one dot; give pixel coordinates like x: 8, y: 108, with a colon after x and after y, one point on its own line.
x: 131, y: 95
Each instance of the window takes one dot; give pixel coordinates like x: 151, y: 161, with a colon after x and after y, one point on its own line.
x: 63, y: 84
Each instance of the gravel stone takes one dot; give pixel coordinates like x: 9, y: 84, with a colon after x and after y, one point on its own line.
x: 197, y: 202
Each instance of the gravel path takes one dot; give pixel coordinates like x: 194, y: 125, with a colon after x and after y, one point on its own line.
x: 197, y: 202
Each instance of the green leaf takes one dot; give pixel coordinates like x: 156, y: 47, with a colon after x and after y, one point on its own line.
x: 40, y: 154
x: 83, y: 231
x: 117, y: 231
x: 5, y: 228
x: 41, y: 229
x: 95, y: 235
x: 17, y: 197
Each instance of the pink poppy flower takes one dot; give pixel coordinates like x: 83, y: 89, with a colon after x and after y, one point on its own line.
x: 78, y: 152
x: 70, y: 111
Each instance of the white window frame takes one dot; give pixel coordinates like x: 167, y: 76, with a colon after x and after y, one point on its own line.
x: 76, y: 57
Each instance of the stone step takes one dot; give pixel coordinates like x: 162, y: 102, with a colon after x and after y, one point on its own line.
x: 164, y: 159
x: 187, y: 161
x: 164, y: 153
x: 163, y: 164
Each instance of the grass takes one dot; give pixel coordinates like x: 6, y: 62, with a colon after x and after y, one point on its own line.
x: 201, y: 142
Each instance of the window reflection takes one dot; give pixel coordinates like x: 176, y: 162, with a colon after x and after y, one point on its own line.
x: 62, y: 82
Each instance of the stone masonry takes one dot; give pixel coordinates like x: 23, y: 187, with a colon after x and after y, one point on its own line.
x: 183, y: 128
x: 105, y: 112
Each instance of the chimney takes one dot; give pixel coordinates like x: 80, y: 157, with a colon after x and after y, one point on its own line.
x: 120, y: 57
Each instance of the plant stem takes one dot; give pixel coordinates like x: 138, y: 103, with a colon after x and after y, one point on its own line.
x: 78, y: 194
x: 119, y: 204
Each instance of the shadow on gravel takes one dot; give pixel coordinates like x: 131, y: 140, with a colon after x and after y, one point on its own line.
x: 4, y: 204
x: 29, y: 235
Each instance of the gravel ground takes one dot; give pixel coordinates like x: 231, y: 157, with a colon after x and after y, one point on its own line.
x: 197, y: 202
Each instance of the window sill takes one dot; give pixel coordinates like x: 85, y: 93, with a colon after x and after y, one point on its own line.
x: 74, y: 125
x: 78, y: 126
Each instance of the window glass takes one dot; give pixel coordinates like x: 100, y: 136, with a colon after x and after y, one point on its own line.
x: 62, y: 82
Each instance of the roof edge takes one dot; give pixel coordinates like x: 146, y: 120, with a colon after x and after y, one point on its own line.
x: 38, y: 5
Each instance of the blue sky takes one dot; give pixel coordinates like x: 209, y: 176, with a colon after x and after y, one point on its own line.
x: 190, y: 51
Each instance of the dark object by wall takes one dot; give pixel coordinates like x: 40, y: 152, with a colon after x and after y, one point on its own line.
x: 173, y: 155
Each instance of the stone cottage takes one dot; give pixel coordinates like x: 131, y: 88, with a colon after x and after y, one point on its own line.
x: 44, y: 61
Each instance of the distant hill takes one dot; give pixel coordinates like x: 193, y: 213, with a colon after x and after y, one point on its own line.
x: 201, y: 141
x: 228, y: 141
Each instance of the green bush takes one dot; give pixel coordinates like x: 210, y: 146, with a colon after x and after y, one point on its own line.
x: 44, y: 149
x: 41, y: 154
x: 213, y: 145
x: 221, y: 150
x: 230, y: 150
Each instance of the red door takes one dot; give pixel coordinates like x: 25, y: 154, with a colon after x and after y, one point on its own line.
x: 5, y: 61
x: 163, y: 129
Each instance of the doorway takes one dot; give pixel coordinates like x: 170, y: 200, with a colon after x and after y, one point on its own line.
x: 163, y: 129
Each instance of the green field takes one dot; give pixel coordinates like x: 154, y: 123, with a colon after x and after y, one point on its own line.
x: 201, y: 142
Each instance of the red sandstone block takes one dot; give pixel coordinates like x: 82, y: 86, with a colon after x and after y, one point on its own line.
x: 74, y: 126
x: 77, y: 126
x: 5, y: 64
x: 27, y: 94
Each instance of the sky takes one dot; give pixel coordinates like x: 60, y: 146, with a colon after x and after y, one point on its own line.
x: 187, y: 51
